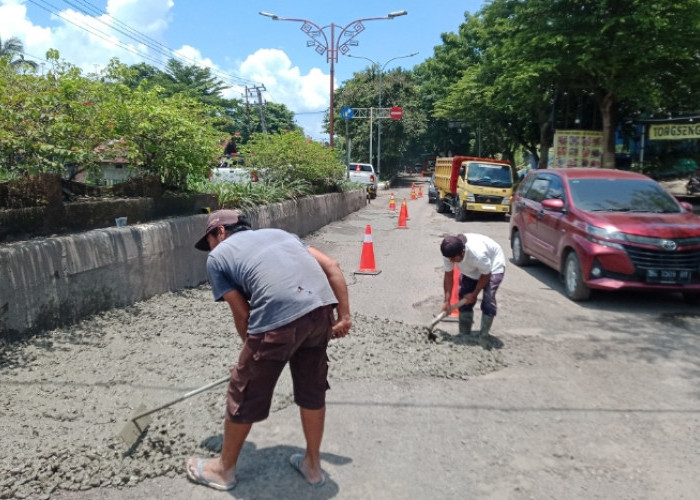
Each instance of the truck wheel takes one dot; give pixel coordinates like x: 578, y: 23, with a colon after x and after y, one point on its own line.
x: 440, y: 206
x: 461, y: 214
x: 574, y: 286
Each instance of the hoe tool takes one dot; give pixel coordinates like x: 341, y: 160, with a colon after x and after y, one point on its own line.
x: 441, y: 316
x: 136, y: 426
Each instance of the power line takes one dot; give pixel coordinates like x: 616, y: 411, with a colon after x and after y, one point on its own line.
x: 145, y: 39
x: 130, y: 33
x: 52, y: 9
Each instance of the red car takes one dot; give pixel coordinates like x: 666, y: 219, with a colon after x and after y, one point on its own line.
x: 608, y: 230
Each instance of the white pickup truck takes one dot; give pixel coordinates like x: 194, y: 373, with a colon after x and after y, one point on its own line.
x: 364, y: 174
x: 232, y: 169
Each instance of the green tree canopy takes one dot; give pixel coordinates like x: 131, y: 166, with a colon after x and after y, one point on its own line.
x: 524, y: 56
x: 398, y: 89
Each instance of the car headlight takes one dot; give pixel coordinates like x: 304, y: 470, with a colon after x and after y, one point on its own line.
x: 602, y: 235
x: 470, y: 197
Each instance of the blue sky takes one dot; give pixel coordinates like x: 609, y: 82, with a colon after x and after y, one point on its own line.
x: 241, y: 47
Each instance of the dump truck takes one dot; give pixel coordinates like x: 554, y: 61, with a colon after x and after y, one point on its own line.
x: 468, y: 185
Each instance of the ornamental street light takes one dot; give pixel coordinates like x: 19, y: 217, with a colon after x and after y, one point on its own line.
x: 379, y: 122
x: 330, y: 44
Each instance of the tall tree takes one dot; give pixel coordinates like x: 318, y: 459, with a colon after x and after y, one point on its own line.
x: 398, y: 89
x: 12, y: 50
x: 449, y: 133
x: 632, y: 53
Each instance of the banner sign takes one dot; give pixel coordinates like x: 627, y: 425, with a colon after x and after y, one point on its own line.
x: 674, y: 131
x: 577, y: 148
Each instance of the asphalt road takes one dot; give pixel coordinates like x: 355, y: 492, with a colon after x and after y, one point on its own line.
x: 598, y: 399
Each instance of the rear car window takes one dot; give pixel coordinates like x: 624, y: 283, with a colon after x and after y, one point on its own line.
x: 363, y: 168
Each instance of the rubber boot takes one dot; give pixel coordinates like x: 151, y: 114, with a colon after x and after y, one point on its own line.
x: 486, y: 322
x: 466, y: 319
x: 484, y: 337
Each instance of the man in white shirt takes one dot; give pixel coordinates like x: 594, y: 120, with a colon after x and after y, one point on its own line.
x: 482, y: 264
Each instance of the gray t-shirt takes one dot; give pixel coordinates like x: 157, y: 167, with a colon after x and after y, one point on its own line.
x: 274, y: 271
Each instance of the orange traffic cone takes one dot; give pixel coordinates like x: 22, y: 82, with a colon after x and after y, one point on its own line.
x: 392, y: 202
x: 420, y: 191
x: 403, y: 215
x: 413, y: 191
x: 367, y: 265
x: 455, y: 291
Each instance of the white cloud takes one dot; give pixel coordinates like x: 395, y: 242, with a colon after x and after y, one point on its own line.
x: 90, y: 42
x: 150, y: 17
x: 14, y: 22
x: 285, y: 83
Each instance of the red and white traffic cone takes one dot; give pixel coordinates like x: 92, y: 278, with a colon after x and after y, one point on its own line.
x: 455, y: 291
x: 367, y: 265
x: 403, y: 215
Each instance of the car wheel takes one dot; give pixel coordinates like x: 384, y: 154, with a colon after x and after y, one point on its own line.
x: 520, y: 258
x: 692, y: 298
x: 575, y: 288
x: 440, y: 206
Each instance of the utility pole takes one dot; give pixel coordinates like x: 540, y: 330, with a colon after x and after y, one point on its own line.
x: 247, y: 112
x: 258, y: 89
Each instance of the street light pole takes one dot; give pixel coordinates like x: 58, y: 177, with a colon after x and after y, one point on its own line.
x: 332, y: 45
x: 379, y: 121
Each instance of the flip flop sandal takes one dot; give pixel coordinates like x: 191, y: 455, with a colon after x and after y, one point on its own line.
x: 197, y: 477
x: 296, y: 461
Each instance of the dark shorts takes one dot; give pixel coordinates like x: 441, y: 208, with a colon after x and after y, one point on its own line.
x: 303, y: 344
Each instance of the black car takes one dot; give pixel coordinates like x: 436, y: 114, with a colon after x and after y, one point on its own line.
x: 432, y: 191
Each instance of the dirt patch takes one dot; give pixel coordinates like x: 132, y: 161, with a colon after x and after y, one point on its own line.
x: 68, y: 392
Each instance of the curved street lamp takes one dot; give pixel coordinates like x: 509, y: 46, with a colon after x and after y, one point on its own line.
x: 379, y: 122
x: 330, y: 44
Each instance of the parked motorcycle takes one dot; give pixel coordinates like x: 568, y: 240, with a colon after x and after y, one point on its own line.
x: 693, y: 185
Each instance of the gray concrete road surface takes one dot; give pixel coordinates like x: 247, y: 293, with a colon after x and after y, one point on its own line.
x: 594, y: 400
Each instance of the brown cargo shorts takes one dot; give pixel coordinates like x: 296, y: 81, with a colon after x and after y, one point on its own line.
x: 303, y: 344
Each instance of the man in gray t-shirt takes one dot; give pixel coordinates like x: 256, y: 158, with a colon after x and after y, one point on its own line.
x: 287, y: 301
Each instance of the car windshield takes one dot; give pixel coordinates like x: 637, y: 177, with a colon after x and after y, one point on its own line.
x: 485, y: 174
x: 621, y: 195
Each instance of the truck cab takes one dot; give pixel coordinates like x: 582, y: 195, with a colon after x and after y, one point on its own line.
x: 470, y: 185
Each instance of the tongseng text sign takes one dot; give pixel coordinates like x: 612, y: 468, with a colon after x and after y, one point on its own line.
x: 674, y: 131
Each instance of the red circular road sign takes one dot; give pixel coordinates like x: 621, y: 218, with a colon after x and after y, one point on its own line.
x: 396, y: 113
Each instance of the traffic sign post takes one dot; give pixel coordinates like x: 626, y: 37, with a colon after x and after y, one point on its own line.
x: 395, y: 113
x: 347, y: 112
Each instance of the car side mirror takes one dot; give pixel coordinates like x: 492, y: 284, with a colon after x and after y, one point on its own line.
x: 553, y: 204
x: 686, y: 206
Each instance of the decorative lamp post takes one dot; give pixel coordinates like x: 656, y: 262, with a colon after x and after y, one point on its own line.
x: 331, y: 45
x: 379, y: 122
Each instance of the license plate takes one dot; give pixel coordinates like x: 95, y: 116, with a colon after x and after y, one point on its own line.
x: 488, y: 207
x: 668, y: 276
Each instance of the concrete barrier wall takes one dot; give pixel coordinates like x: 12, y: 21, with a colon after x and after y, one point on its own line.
x: 56, y: 281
